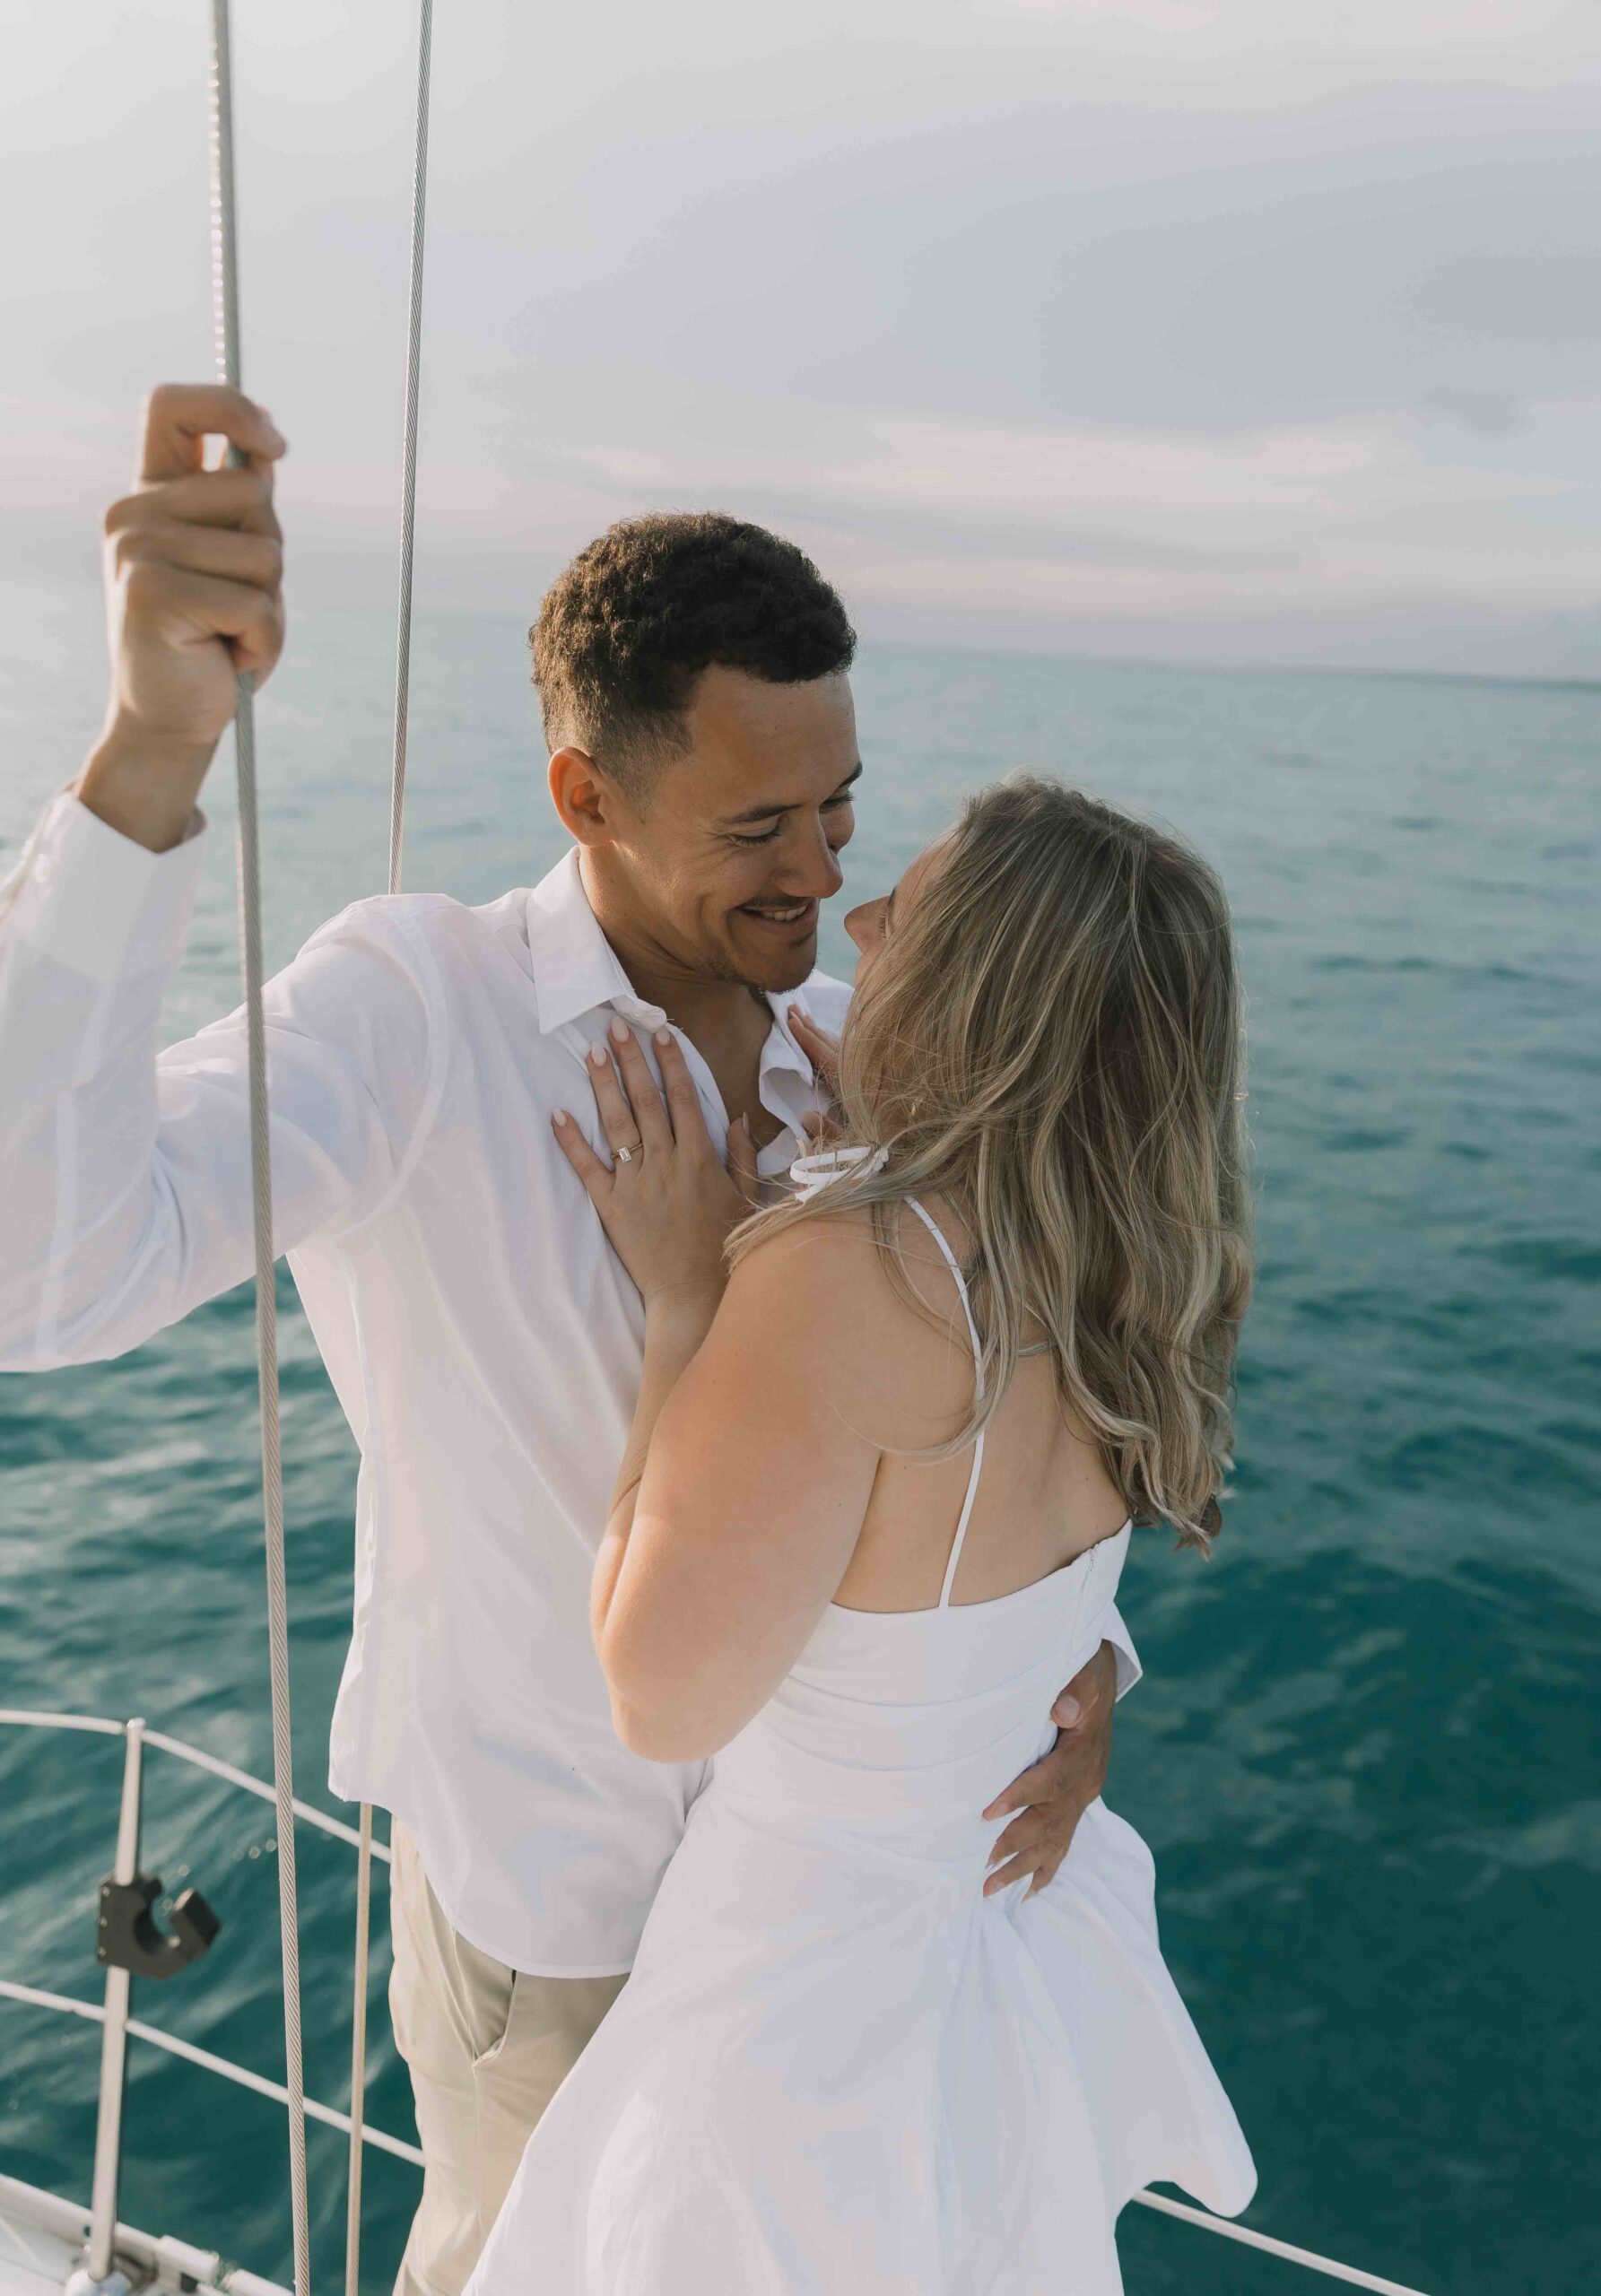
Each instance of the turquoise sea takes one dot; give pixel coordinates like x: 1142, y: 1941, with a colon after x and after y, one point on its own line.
x: 1364, y: 1751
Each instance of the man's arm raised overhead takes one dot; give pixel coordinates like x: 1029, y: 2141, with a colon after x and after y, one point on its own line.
x: 125, y: 1180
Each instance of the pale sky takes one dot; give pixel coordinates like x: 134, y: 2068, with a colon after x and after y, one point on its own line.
x: 1230, y: 329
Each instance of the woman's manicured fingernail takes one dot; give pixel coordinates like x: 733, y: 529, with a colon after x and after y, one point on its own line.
x: 619, y: 1033
x: 597, y: 1054
x: 559, y: 1119
x: 664, y: 1037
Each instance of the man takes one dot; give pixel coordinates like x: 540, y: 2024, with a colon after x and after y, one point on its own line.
x: 483, y: 1341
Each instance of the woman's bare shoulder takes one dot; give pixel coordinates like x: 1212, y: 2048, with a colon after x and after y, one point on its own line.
x: 825, y: 1288
x: 829, y: 1261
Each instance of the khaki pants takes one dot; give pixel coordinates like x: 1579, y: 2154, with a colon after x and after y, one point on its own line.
x: 487, y: 2048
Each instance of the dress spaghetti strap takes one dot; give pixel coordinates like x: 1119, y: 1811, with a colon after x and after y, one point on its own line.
x: 948, y: 1257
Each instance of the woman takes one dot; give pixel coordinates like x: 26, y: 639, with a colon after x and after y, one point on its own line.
x: 875, y: 1503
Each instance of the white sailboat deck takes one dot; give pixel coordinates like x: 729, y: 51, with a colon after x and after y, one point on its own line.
x: 43, y: 2239
x: 35, y: 2255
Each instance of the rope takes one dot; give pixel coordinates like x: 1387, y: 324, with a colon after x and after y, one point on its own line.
x: 402, y: 687
x: 408, y: 495
x: 225, y: 293
x: 1326, y: 2265
x: 66, y: 2005
x: 27, y: 1718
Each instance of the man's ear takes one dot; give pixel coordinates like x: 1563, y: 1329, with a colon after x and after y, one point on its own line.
x: 588, y: 804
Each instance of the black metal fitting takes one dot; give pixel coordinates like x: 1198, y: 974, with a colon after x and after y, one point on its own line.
x: 130, y: 1938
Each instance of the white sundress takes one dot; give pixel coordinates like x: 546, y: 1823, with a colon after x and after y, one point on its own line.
x: 839, y: 2069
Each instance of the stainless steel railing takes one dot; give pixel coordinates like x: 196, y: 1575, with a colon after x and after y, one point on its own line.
x: 113, y: 2016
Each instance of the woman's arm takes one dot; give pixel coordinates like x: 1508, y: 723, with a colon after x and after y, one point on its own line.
x: 740, y: 1492
x: 751, y: 1499
x: 675, y: 1329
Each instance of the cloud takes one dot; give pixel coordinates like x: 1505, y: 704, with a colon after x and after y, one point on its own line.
x: 1295, y: 518
x: 1189, y: 322
x: 1493, y: 414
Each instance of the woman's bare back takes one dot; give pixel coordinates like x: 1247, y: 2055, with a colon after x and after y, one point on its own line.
x: 1044, y: 1496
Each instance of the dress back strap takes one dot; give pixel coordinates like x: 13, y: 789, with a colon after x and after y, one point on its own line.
x: 948, y: 1257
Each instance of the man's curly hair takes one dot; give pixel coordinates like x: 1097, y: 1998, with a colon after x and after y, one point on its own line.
x: 623, y: 634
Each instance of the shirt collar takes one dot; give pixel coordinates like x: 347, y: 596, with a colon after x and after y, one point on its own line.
x: 577, y: 970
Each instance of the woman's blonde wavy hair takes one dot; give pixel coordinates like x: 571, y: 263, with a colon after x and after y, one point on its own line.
x: 1053, y: 1039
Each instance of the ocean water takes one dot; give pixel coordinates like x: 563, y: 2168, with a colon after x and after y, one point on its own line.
x: 1364, y: 1751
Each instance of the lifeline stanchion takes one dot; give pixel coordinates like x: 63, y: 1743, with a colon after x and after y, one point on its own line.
x: 225, y: 289
x: 114, y: 2036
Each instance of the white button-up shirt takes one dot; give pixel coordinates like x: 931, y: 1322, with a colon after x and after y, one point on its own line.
x: 483, y: 1340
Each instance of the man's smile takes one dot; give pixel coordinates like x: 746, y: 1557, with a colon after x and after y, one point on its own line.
x: 791, y: 918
